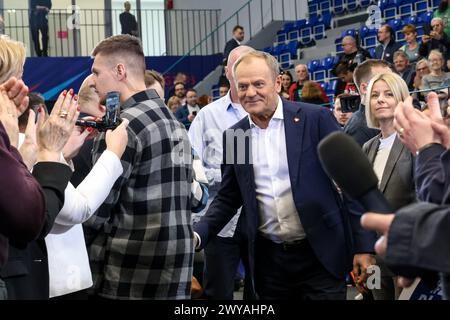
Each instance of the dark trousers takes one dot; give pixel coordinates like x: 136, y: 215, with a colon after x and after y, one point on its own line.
x: 293, y: 272
x: 39, y: 23
x: 222, y: 257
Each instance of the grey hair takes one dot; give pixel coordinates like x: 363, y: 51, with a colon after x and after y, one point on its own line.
x: 271, y: 61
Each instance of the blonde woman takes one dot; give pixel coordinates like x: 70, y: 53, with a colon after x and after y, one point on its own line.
x: 392, y: 162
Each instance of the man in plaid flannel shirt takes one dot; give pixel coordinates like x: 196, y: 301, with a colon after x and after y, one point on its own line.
x: 140, y: 239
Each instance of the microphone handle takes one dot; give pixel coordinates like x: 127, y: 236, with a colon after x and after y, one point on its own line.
x: 374, y: 201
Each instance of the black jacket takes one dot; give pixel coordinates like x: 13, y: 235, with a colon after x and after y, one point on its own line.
x: 442, y: 45
x: 358, y: 129
x: 26, y: 271
x: 389, y: 52
x: 231, y: 44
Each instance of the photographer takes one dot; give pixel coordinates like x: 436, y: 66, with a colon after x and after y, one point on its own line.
x: 342, y: 116
x: 436, y: 40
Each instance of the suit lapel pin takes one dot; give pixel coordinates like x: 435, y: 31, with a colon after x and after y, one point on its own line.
x: 296, y: 119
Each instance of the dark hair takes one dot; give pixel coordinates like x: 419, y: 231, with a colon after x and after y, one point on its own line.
x: 344, y: 67
x: 35, y: 99
x: 237, y: 27
x: 391, y: 31
x: 282, y: 73
x: 191, y: 90
x: 177, y: 83
x: 443, y: 6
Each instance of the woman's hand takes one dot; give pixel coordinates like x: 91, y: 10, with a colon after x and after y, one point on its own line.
x: 29, y: 148
x: 117, y: 139
x: 77, y: 138
x: 56, y: 130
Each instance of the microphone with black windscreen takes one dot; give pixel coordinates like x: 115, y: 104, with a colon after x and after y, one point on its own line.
x: 344, y: 162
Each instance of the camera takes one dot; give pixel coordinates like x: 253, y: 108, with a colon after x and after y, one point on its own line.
x: 111, y: 118
x: 350, y: 103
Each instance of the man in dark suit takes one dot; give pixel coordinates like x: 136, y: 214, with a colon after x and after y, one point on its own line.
x: 39, y: 10
x: 128, y: 21
x: 301, y: 240
x: 187, y: 113
x: 238, y: 37
x: 385, y: 50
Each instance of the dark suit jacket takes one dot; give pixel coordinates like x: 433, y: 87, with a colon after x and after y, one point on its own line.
x: 397, y: 183
x: 230, y: 45
x: 389, y: 53
x: 442, y: 45
x: 357, y: 127
x: 26, y: 271
x: 182, y: 114
x: 408, y: 75
x: 334, y: 233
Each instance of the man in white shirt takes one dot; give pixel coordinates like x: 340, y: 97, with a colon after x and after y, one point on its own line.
x: 223, y: 252
x: 297, y: 228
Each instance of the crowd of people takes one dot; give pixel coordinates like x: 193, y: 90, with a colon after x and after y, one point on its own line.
x: 197, y: 193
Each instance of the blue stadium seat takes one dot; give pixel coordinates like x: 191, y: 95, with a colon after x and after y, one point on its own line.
x: 352, y: 5
x: 328, y: 64
x: 426, y: 17
x: 421, y: 6
x: 338, y: 7
x: 319, y: 31
x: 365, y: 3
x: 325, y: 6
x: 306, y: 36
x: 390, y: 11
x: 331, y: 88
x: 326, y: 20
x: 282, y: 35
x: 406, y: 8
x: 433, y: 4
x: 313, y: 6
x: 313, y: 65
x: 414, y: 20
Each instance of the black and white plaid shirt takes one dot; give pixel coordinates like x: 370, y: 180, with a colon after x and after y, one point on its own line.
x: 140, y: 240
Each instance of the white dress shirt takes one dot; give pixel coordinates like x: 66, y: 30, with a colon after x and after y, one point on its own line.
x: 206, y: 134
x: 68, y: 261
x: 278, y: 216
x: 191, y: 109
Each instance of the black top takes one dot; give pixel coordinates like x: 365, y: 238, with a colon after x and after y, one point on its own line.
x: 128, y: 23
x: 44, y: 3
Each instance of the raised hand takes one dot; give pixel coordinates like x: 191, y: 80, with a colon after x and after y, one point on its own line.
x: 56, y: 130
x: 117, y: 139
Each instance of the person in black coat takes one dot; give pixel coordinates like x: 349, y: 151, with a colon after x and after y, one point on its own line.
x: 128, y: 21
x: 39, y: 10
x: 385, y: 50
x: 238, y: 37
